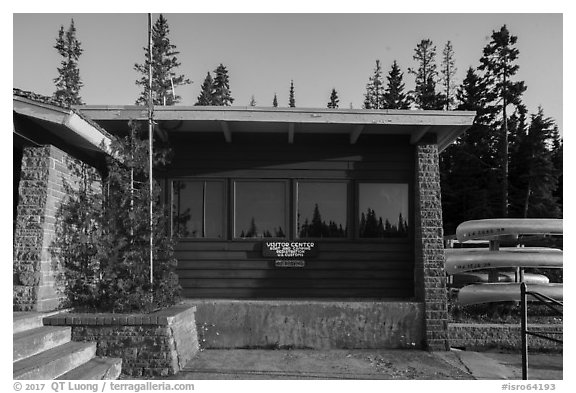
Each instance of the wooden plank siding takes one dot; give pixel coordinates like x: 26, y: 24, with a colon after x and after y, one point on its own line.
x: 342, y: 268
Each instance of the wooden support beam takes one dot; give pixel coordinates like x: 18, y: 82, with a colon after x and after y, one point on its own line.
x: 226, y: 131
x: 355, y: 134
x: 290, y: 133
x: 415, y: 138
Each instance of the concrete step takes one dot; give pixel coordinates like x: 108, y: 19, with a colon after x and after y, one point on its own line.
x: 96, y: 369
x: 27, y: 320
x: 33, y: 341
x: 54, y: 362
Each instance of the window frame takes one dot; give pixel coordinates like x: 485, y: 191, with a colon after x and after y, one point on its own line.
x: 349, y: 211
x: 224, y: 206
x: 287, y: 207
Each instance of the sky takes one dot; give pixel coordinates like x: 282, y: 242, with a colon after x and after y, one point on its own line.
x: 264, y: 52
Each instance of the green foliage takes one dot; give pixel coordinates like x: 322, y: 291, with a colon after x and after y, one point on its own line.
x: 374, y: 97
x: 222, y: 94
x: 206, y: 91
x: 275, y: 101
x: 164, y: 64
x: 333, y: 103
x: 112, y: 271
x: 291, y: 100
x: 425, y: 95
x: 394, y: 96
x: 68, y: 82
x: 447, y: 75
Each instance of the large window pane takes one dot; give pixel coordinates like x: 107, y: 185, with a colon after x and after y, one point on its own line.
x: 260, y: 209
x: 321, y: 209
x: 383, y: 210
x: 198, y: 208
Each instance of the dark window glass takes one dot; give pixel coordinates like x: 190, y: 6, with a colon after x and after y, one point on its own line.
x: 198, y: 209
x: 260, y: 209
x: 321, y: 210
x: 383, y: 210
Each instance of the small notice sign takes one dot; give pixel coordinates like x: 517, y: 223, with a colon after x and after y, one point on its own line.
x: 289, y: 263
x: 289, y: 249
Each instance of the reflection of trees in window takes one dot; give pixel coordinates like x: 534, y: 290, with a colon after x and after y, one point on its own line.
x: 377, y: 227
x: 320, y: 228
x: 198, y: 209
x: 180, y: 216
x: 253, y: 231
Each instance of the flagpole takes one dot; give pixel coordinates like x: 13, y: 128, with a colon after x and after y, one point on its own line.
x: 150, y: 137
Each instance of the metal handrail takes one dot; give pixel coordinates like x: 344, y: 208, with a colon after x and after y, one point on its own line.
x: 524, y: 322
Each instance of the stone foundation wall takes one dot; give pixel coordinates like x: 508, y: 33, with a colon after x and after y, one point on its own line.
x: 480, y: 337
x: 311, y: 324
x: 41, y: 191
x: 151, y: 345
x: 430, y: 276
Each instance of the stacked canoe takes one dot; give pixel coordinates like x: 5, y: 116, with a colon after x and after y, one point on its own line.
x: 481, y: 273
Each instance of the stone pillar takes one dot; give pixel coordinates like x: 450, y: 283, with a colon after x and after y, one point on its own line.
x: 430, y: 276
x: 44, y: 169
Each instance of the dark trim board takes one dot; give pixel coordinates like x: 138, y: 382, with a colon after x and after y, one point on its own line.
x: 350, y: 267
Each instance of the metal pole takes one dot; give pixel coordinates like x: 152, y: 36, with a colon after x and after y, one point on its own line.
x: 150, y: 137
x: 523, y: 328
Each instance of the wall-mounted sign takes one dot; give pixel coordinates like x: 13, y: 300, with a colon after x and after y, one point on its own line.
x: 289, y: 263
x: 289, y: 249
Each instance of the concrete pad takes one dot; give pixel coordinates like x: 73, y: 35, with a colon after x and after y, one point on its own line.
x: 482, y: 367
x: 541, y: 366
x: 312, y: 364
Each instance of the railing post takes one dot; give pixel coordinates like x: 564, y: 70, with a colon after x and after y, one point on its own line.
x: 523, y: 328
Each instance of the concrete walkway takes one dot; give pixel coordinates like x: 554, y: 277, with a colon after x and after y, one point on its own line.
x: 365, y: 364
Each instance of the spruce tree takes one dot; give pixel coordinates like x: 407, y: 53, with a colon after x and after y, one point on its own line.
x: 333, y: 103
x: 165, y: 79
x: 374, y: 98
x: 498, y: 64
x: 447, y: 75
x: 252, y: 101
x: 222, y: 94
x: 206, y: 91
x: 425, y: 95
x: 275, y: 101
x: 394, y: 96
x: 68, y: 82
x: 468, y: 181
x: 291, y: 100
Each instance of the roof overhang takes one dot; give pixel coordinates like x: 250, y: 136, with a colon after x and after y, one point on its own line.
x: 60, y: 124
x: 445, y: 125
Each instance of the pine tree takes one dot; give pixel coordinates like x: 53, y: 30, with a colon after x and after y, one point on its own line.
x: 468, y: 180
x: 333, y: 103
x: 252, y: 101
x: 164, y: 68
x: 68, y: 82
x: 275, y: 101
x: 425, y: 95
x: 394, y: 96
x: 447, y: 75
x: 206, y: 91
x: 222, y: 94
x: 498, y: 64
x: 374, y: 98
x: 291, y: 100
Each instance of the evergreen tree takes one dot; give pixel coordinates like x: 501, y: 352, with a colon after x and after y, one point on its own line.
x: 222, y: 95
x: 252, y: 101
x: 447, y: 75
x: 291, y: 100
x: 498, y: 64
x: 333, y: 103
x: 275, y: 101
x: 425, y: 95
x: 164, y: 68
x: 374, y: 98
x: 394, y: 96
x: 539, y: 177
x: 68, y: 82
x: 206, y: 91
x: 467, y: 167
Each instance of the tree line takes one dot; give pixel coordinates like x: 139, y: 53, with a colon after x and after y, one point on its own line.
x: 508, y: 164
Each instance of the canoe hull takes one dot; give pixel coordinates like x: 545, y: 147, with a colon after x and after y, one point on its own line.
x: 461, y: 279
x: 504, y: 292
x: 495, y: 228
x: 460, y: 260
